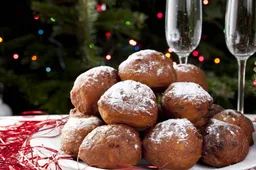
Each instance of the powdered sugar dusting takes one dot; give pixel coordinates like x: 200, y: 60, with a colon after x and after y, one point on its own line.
x: 91, y: 76
x: 136, y: 146
x: 76, y: 129
x: 131, y: 96
x: 147, y: 65
x: 108, y: 132
x: 184, y: 67
x: 189, y: 91
x: 78, y: 123
x: 171, y: 128
x: 216, y: 126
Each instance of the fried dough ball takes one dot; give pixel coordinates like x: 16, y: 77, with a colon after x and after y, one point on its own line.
x: 214, y: 109
x: 186, y: 100
x: 89, y: 86
x: 191, y: 73
x: 149, y: 67
x: 224, y: 144
x: 75, y: 113
x: 236, y: 118
x: 109, y: 146
x: 131, y: 103
x: 173, y: 144
x: 74, y: 132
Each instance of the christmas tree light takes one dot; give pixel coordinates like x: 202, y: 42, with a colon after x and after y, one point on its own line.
x: 195, y: 53
x: 52, y: 19
x: 201, y: 59
x: 108, y: 57
x: 216, y: 60
x: 108, y: 34
x: 48, y: 69
x: 136, y: 48
x: 159, y: 15
x: 128, y: 23
x: 15, y: 56
x: 40, y: 32
x: 132, y: 42
x: 205, y: 2
x: 1, y: 39
x: 34, y: 58
x: 36, y: 17
x: 168, y: 55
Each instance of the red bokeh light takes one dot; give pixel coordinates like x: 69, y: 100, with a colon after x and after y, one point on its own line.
x: 201, y: 59
x: 195, y: 53
x: 98, y: 7
x: 254, y: 82
x: 108, y: 34
x: 15, y: 56
x: 36, y: 17
x: 159, y: 15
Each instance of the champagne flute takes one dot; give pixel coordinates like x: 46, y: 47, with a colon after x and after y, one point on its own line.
x: 240, y: 35
x: 183, y: 26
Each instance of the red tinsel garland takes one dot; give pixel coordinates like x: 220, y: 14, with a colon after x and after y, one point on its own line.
x: 16, y: 152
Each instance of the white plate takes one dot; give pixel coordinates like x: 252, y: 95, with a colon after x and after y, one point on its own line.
x: 249, y: 162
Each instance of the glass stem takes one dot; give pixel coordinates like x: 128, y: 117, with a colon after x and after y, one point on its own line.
x: 241, y: 84
x: 183, y: 59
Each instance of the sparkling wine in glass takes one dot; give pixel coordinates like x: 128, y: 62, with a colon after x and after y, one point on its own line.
x: 183, y: 26
x: 240, y: 35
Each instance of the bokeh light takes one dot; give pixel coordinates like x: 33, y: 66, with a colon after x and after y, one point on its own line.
x: 168, y: 55
x: 169, y: 50
x: 108, y: 57
x: 254, y: 69
x: 216, y: 60
x: 136, y: 48
x: 159, y: 15
x: 40, y: 32
x: 91, y: 45
x: 34, y: 58
x: 15, y: 56
x: 36, y: 17
x: 48, y: 69
x: 98, y: 7
x: 103, y: 7
x: 205, y: 2
x: 132, y: 42
x: 1, y: 39
x: 254, y: 82
x: 201, y: 58
x: 195, y: 53
x: 108, y: 34
x: 128, y: 23
x: 52, y: 19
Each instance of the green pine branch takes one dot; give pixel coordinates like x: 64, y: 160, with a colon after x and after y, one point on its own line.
x: 123, y: 21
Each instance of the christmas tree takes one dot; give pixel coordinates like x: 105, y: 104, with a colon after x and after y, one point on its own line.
x: 53, y: 41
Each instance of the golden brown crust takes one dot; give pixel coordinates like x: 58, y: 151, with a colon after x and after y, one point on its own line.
x: 74, y: 132
x: 173, y: 144
x: 131, y: 103
x: 89, y: 86
x: 236, y: 118
x: 149, y: 67
x: 186, y: 100
x: 110, y: 146
x: 191, y: 73
x: 214, y: 109
x: 224, y: 144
